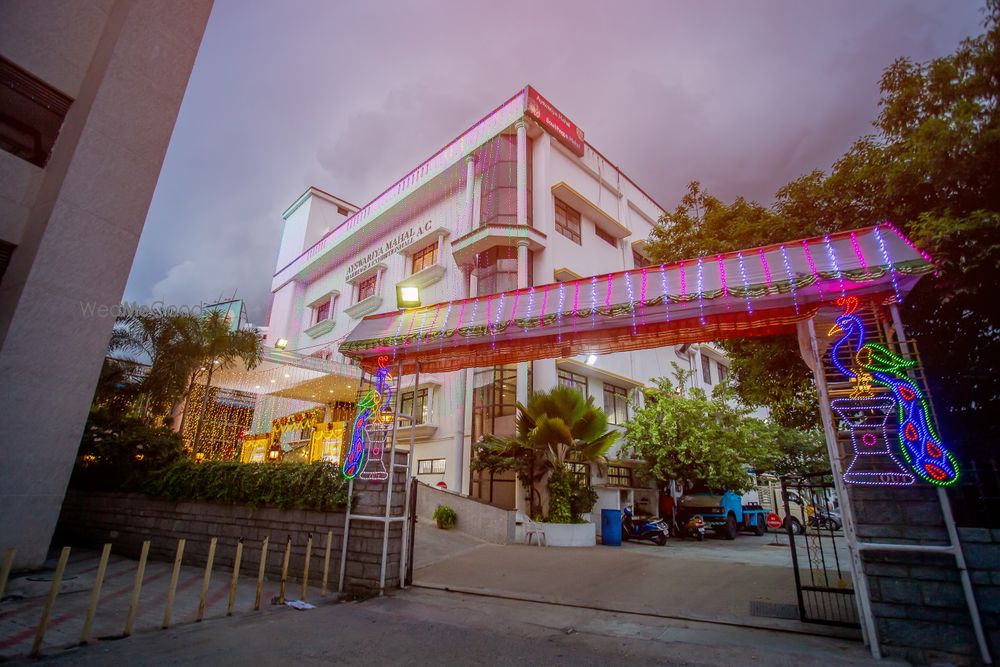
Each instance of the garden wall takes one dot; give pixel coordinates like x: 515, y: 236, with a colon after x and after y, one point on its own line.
x: 917, y: 599
x: 127, y: 519
x: 475, y: 517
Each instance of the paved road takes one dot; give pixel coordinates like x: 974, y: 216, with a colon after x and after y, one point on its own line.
x: 419, y: 627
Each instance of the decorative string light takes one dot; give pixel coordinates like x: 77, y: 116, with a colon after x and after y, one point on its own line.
x: 767, y: 268
x: 836, y: 267
x: 860, y: 255
x: 919, y: 443
x: 791, y: 277
x: 701, y: 293
x: 809, y: 258
x: 683, y: 275
x: 722, y: 275
x: 888, y: 261
x: 746, y: 283
x: 631, y: 298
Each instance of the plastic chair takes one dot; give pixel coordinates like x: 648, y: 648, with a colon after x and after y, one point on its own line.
x: 536, y: 529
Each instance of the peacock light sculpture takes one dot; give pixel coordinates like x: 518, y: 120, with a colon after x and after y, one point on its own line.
x: 919, y: 442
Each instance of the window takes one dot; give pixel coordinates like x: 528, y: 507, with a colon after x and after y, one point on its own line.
x: 706, y: 369
x: 616, y: 404
x: 619, y: 476
x: 603, y: 235
x: 496, y: 270
x: 406, y: 405
x: 430, y: 466
x: 366, y: 287
x: 573, y: 381
x: 33, y: 114
x: 498, y: 189
x: 580, y: 470
x: 425, y: 258
x: 494, y: 401
x: 568, y: 222
x: 324, y: 310
x: 723, y: 374
x: 639, y: 260
x: 6, y: 251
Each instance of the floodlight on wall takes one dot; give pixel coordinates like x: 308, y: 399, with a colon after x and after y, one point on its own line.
x: 591, y: 359
x: 281, y: 344
x: 407, y: 296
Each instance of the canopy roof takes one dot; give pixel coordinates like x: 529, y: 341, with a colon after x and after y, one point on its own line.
x: 753, y: 292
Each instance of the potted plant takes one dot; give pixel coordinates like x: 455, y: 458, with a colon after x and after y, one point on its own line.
x: 445, y: 517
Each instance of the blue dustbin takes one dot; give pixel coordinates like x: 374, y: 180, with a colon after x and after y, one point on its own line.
x: 611, y: 527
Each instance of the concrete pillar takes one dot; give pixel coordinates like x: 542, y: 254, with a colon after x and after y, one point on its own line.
x: 457, y: 466
x: 78, y: 247
x: 522, y: 245
x: 470, y: 194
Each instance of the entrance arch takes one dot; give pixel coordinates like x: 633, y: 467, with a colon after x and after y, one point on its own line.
x: 805, y: 288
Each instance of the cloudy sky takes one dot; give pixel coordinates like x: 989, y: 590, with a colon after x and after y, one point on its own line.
x: 742, y: 96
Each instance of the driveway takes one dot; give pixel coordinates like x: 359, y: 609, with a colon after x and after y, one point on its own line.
x: 748, y: 581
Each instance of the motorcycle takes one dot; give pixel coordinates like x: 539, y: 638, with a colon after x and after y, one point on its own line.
x: 653, y: 529
x: 695, y: 527
x: 826, y: 519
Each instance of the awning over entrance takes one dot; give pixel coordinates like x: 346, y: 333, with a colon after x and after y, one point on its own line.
x: 752, y: 292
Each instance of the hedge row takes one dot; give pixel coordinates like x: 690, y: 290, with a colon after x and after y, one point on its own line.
x: 316, y: 486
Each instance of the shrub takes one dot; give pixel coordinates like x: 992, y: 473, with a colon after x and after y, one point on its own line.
x: 317, y: 486
x: 117, y: 453
x: 445, y: 516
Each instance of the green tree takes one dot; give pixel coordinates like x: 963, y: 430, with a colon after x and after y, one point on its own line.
x: 554, y: 428
x: 160, y: 339
x: 693, y: 437
x: 932, y: 166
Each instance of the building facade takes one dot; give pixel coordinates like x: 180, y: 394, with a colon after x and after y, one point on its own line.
x: 519, y: 199
x: 90, y: 93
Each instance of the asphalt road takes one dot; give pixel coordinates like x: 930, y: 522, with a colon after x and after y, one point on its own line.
x: 418, y: 627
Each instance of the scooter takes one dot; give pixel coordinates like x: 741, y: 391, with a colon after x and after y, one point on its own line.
x: 695, y: 527
x: 653, y: 529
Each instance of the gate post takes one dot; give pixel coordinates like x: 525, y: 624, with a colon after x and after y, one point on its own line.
x: 815, y: 362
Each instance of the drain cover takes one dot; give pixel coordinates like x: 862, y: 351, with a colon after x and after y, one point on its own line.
x: 774, y: 609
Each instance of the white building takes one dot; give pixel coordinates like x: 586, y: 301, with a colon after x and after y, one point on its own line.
x: 519, y: 199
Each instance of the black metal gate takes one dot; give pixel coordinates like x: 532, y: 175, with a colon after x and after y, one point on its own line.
x: 822, y: 572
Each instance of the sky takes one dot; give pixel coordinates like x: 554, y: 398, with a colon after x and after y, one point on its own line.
x: 349, y: 96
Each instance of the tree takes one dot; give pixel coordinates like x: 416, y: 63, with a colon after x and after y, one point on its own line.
x: 692, y: 437
x: 555, y: 427
x: 161, y: 339
x: 932, y: 166
x: 216, y: 346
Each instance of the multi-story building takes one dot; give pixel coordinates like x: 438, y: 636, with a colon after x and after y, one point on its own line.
x: 90, y: 92
x: 519, y: 199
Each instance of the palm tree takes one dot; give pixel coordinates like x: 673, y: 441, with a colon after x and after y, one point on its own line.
x: 216, y: 346
x: 555, y: 427
x: 159, y: 337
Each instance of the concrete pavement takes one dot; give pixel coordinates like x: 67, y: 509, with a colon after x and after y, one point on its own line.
x: 706, y: 581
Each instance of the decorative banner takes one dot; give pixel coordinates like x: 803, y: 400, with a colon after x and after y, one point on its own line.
x: 255, y: 446
x: 373, y: 425
x: 866, y: 414
x: 297, y: 420
x: 327, y: 442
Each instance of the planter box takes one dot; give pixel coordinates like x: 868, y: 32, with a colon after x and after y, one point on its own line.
x: 570, y: 534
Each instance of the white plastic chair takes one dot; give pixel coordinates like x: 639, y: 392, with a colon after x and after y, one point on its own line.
x: 536, y: 529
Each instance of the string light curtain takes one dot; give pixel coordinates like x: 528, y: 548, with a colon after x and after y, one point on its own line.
x: 752, y: 292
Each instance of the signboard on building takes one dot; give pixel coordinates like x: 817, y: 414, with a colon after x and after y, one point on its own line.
x: 565, y: 130
x: 396, y: 243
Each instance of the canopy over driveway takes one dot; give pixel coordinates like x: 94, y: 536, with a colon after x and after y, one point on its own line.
x: 753, y: 292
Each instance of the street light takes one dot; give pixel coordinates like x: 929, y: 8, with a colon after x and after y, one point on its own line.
x: 407, y: 296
